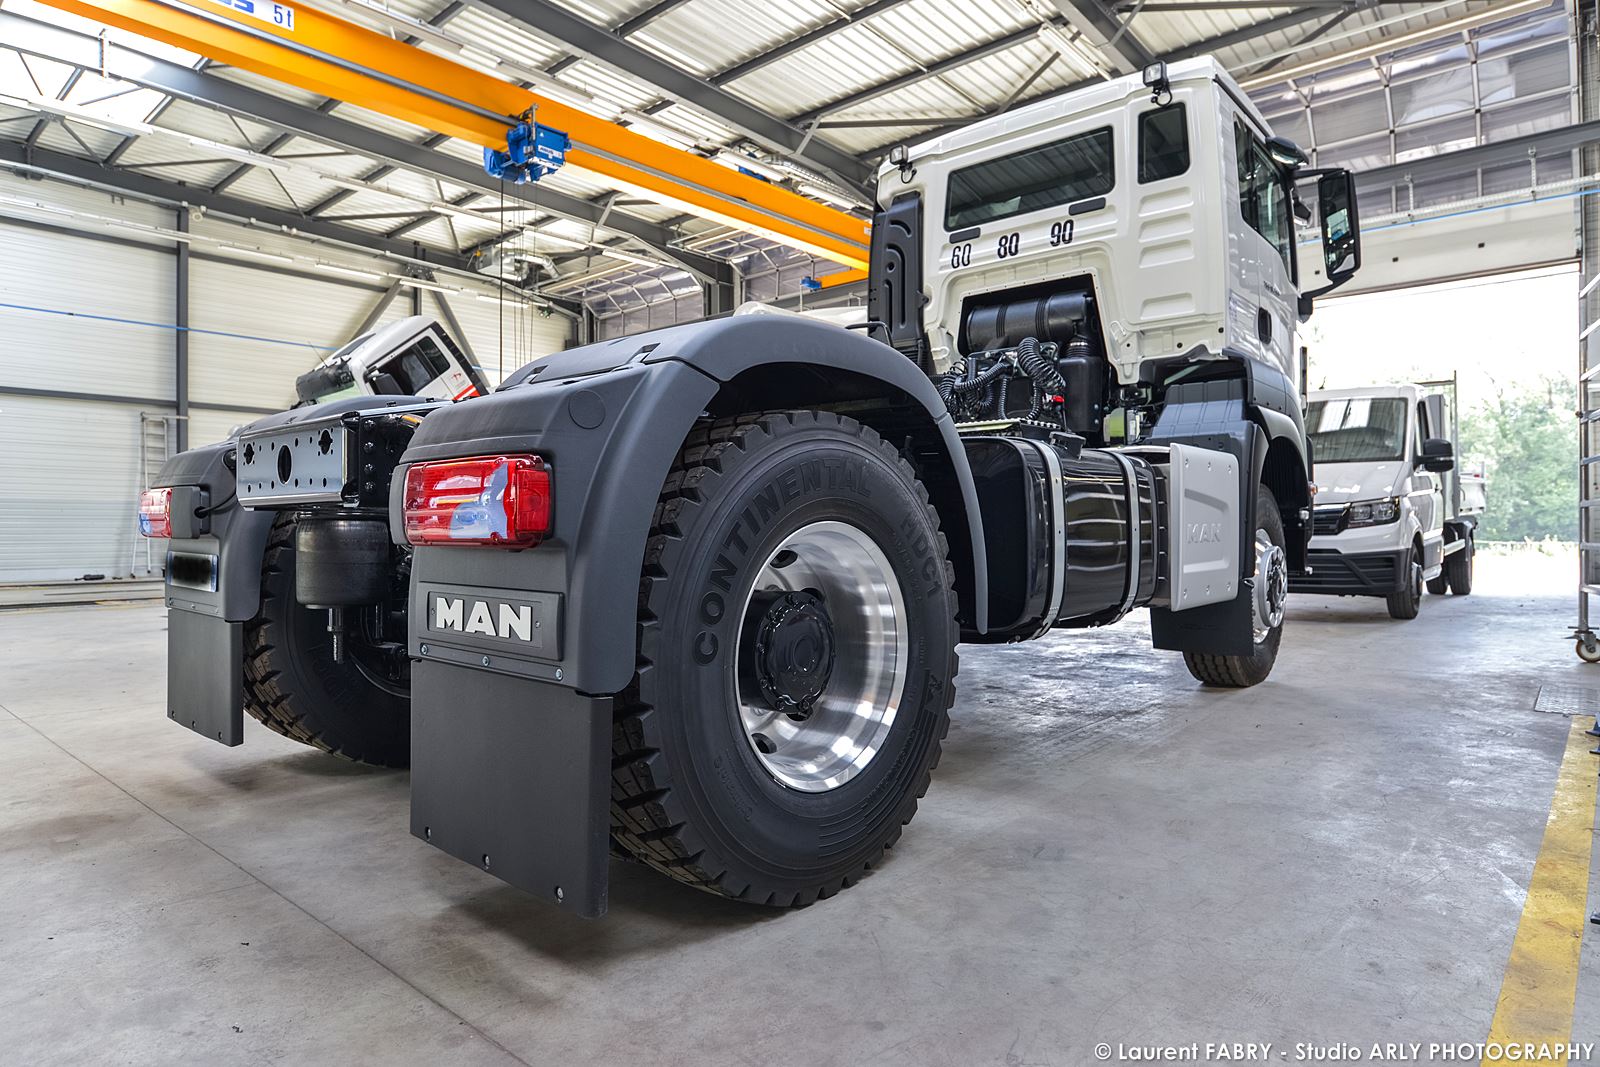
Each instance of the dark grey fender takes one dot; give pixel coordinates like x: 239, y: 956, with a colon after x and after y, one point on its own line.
x: 1244, y: 416
x: 610, y: 418
x: 232, y: 535
x: 1272, y: 398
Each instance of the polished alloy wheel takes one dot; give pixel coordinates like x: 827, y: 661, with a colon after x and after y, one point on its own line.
x: 822, y: 656
x: 1271, y: 587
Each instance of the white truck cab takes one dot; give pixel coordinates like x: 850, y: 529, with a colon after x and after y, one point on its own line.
x: 1129, y: 188
x: 412, y: 357
x: 1393, y: 513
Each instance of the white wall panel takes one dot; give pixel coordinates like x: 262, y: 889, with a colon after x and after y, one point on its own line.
x: 45, y: 275
x: 208, y: 427
x: 67, y: 501
x: 504, y: 340
x: 282, y: 324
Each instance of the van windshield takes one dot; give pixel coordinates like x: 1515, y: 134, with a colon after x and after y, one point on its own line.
x: 1358, y: 429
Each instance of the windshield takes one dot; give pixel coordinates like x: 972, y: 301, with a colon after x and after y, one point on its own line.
x: 1360, y: 429
x: 331, y: 381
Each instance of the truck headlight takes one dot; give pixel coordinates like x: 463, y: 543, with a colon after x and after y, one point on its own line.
x: 1373, y: 512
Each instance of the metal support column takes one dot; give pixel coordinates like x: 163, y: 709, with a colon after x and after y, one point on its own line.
x: 378, y: 308
x: 448, y: 314
x: 718, y: 290
x: 180, y: 336
x: 1585, y: 26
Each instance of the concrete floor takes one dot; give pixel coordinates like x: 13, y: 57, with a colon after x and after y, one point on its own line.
x: 1108, y: 853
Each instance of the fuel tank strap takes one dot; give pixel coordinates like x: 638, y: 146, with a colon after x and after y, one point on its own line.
x: 1058, y: 534
x: 1135, y: 531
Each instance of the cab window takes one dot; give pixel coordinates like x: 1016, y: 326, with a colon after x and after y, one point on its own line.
x: 1048, y: 175
x: 1163, y: 143
x: 418, y: 364
x: 1263, y: 195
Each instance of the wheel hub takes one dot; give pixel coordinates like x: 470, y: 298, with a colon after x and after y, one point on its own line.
x: 794, y: 651
x: 823, y: 656
x: 1271, y: 584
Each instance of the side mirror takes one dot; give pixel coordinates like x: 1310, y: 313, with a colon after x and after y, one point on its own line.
x: 1341, y: 231
x: 1286, y: 153
x: 1437, y: 456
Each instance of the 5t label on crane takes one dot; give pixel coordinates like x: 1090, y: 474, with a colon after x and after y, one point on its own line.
x: 279, y: 15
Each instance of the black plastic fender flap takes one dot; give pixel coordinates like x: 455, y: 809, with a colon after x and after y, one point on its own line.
x: 513, y: 776
x: 205, y: 675
x: 1212, y: 415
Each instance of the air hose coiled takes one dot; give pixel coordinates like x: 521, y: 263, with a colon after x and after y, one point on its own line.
x: 958, y: 391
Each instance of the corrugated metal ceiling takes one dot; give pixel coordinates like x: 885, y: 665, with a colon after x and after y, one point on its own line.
x: 705, y: 37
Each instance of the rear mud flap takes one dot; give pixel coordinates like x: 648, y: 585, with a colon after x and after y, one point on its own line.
x: 205, y: 675
x: 514, y: 777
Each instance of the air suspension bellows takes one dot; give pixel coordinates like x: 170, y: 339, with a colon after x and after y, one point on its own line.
x: 340, y: 563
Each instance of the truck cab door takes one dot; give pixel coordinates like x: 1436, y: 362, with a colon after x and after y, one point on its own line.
x: 431, y: 366
x: 1440, y: 425
x: 1267, y: 240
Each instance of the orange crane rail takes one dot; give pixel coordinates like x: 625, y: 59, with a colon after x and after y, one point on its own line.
x: 315, y: 51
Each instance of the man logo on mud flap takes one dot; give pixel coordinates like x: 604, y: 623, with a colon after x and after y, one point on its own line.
x: 1203, y: 533
x: 510, y: 623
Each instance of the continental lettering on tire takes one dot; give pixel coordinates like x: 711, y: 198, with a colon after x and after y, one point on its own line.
x: 785, y: 487
x: 929, y: 569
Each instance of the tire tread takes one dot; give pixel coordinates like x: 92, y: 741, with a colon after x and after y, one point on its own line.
x: 268, y: 698
x: 646, y: 820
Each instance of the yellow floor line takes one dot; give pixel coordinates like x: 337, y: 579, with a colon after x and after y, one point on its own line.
x: 1541, y: 980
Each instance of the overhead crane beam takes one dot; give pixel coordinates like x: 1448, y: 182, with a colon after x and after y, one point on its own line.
x: 48, y: 41
x: 327, y: 55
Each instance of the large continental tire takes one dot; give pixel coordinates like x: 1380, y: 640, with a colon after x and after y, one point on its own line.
x: 1268, y: 590
x: 293, y: 687
x: 796, y: 660
x: 1406, y: 602
x: 1458, y: 569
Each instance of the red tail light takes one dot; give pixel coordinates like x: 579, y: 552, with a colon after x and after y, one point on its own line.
x: 155, y: 513
x: 487, y: 500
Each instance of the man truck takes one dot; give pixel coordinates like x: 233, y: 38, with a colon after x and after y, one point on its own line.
x: 697, y: 592
x: 1395, y: 514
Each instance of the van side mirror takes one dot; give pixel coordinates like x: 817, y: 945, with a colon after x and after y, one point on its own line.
x: 1438, y: 455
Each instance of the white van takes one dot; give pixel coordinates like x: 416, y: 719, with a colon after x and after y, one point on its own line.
x: 1393, y: 514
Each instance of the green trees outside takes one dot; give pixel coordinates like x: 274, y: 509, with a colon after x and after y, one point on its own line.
x: 1527, y: 437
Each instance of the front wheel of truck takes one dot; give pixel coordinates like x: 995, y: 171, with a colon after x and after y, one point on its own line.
x: 796, y: 660
x: 1268, y: 590
x: 359, y: 709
